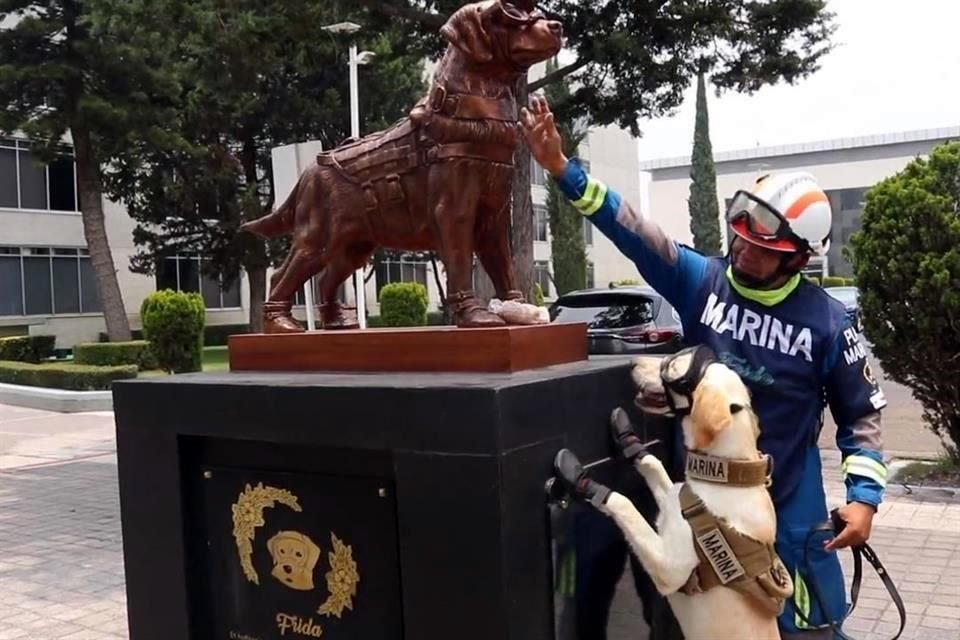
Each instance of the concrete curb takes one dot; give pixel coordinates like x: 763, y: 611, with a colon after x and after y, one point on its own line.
x: 58, y: 400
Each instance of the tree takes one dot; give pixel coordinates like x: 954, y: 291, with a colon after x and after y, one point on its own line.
x: 634, y: 60
x: 906, y: 260
x: 703, y: 205
x: 252, y: 77
x: 567, y: 246
x: 60, y: 81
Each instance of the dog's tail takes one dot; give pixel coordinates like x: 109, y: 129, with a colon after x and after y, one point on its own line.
x: 279, y: 221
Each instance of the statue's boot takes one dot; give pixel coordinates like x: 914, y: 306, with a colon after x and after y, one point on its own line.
x: 574, y: 479
x: 468, y: 312
x: 277, y: 318
x: 336, y: 316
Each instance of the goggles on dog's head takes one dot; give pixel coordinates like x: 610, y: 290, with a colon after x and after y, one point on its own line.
x: 681, y: 373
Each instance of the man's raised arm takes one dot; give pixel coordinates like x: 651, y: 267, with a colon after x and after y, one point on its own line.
x: 672, y: 269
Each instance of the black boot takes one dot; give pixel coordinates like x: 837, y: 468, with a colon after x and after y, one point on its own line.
x: 570, y: 472
x: 625, y: 438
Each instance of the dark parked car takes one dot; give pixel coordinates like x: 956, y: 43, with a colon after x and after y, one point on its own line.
x: 850, y: 297
x: 633, y: 319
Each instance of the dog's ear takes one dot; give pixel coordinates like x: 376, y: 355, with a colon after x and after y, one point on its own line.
x: 711, y: 414
x: 466, y: 31
x: 313, y: 553
x: 272, y: 544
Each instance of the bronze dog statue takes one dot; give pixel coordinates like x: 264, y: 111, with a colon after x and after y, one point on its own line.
x: 439, y: 179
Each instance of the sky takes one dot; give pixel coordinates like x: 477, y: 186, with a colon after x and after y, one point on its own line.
x: 896, y: 67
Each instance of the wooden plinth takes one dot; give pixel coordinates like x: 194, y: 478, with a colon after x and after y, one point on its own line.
x: 501, y: 349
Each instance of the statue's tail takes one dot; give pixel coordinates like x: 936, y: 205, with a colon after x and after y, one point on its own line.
x: 279, y: 221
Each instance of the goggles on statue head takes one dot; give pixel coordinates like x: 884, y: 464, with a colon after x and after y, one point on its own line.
x: 681, y: 373
x: 518, y: 15
x: 761, y: 220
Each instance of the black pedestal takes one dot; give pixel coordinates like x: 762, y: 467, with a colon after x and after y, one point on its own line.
x: 363, y: 506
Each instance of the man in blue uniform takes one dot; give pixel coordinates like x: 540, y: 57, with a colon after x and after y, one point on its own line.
x: 789, y: 341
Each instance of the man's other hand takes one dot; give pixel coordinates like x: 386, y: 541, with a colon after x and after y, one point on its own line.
x: 542, y: 136
x: 859, y: 519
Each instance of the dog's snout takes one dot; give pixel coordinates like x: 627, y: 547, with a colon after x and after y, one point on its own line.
x: 287, y: 568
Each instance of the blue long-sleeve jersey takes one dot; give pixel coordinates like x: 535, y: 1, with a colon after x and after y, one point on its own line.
x: 794, y: 347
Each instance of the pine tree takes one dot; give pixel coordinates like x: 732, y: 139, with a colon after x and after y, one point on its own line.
x: 253, y: 77
x: 633, y: 60
x: 703, y: 205
x: 63, y: 82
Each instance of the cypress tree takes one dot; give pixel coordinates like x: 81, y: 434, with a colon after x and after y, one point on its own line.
x: 703, y: 206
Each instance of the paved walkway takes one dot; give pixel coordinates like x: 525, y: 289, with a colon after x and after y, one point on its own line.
x: 61, y: 568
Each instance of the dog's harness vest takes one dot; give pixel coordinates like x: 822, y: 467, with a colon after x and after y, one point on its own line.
x: 377, y: 162
x: 727, y: 557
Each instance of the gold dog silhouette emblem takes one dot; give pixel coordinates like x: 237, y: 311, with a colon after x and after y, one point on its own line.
x: 294, y: 558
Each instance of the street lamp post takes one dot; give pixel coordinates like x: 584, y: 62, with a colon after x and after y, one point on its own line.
x: 355, y: 60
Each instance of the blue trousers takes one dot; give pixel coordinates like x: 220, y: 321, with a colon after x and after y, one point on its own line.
x: 819, y: 591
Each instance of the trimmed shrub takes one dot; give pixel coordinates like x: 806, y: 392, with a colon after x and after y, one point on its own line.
x: 906, y: 260
x: 404, y: 304
x: 833, y: 281
x: 73, y: 377
x: 27, y: 348
x: 173, y: 322
x: 109, y: 354
x: 814, y: 279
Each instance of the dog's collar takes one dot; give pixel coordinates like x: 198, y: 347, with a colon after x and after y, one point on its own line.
x: 464, y: 106
x: 737, y: 473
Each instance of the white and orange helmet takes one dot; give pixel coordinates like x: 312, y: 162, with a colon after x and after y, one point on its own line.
x: 785, y: 212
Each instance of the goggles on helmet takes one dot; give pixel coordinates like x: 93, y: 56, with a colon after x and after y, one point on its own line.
x: 761, y: 220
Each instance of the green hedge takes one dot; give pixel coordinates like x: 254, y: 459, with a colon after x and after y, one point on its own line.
x: 109, y: 354
x: 214, y: 335
x: 27, y: 348
x: 74, y: 377
x: 404, y: 304
x: 173, y: 322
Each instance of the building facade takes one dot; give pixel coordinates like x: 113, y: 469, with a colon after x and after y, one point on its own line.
x: 46, y: 278
x: 846, y: 168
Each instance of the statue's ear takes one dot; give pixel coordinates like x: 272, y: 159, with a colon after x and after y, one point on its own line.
x: 466, y: 31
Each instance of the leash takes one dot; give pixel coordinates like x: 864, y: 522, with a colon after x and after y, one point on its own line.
x: 860, y: 552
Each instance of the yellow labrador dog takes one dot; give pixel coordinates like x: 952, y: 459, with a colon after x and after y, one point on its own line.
x: 712, y: 551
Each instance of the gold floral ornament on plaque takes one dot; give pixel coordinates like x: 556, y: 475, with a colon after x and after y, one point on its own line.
x: 248, y: 515
x: 343, y: 576
x: 342, y: 579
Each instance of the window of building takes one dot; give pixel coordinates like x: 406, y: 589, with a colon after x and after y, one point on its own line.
x: 587, y: 232
x: 46, y: 281
x: 26, y: 185
x: 401, y: 270
x: 847, y: 199
x: 185, y: 273
x: 538, y: 176
x: 541, y: 273
x: 591, y: 279
x: 540, y: 223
